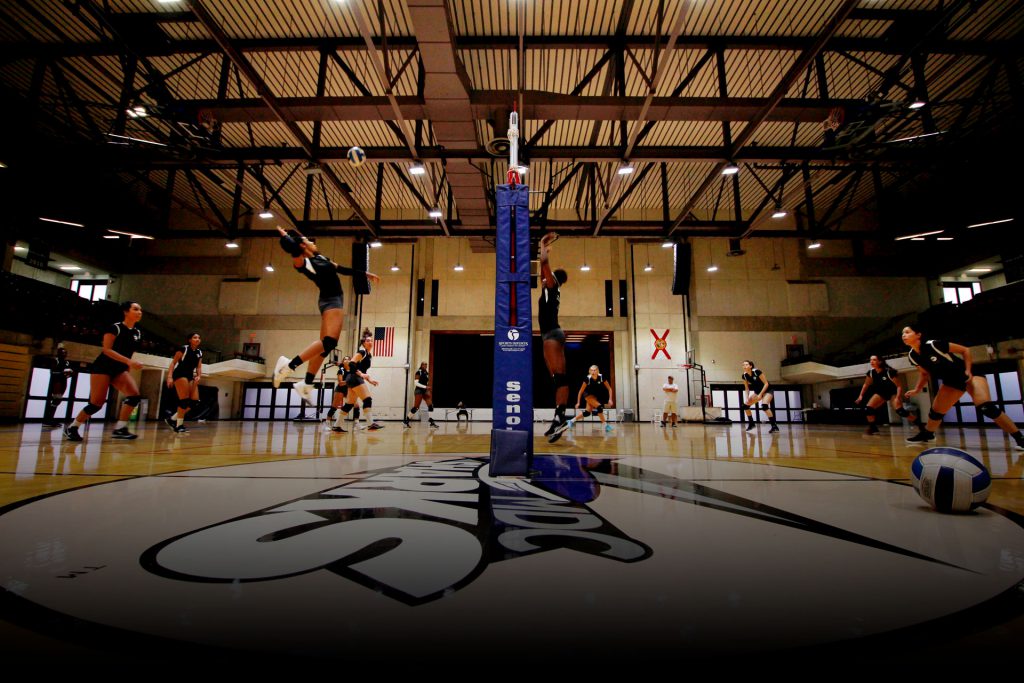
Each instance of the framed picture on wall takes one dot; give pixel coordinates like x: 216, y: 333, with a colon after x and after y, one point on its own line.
x: 251, y: 350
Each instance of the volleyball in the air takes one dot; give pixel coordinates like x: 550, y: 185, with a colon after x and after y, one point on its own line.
x: 950, y: 480
x: 356, y: 156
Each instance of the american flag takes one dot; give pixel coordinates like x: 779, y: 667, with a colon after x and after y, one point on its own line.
x: 384, y: 342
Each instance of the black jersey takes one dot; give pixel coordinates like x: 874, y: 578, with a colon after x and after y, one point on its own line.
x: 547, y: 308
x: 126, y: 340
x: 595, y: 387
x: 753, y: 380
x: 423, y: 377
x: 59, y: 369
x: 190, y: 359
x: 322, y: 272
x: 363, y: 365
x: 885, y: 378
x: 939, y: 361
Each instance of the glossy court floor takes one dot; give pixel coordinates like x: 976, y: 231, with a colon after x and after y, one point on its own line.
x: 693, y: 544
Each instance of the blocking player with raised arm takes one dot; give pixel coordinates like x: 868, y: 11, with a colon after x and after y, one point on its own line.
x: 951, y: 364
x: 552, y: 335
x: 358, y: 380
x: 183, y: 375
x: 323, y: 272
x: 113, y: 367
x: 755, y: 386
x: 882, y: 384
x: 421, y: 393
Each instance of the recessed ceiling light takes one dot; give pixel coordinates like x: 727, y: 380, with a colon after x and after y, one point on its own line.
x: 712, y: 269
x: 111, y: 237
x: 70, y: 268
x: 944, y: 239
x: 979, y: 270
x: 917, y: 239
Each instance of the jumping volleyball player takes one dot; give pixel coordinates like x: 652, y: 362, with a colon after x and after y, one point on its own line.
x: 112, y: 367
x: 935, y: 358
x: 324, y: 273
x: 553, y: 336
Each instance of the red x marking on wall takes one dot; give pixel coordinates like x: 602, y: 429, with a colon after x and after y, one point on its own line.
x: 660, y: 344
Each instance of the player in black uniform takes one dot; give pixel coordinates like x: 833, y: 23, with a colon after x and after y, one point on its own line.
x: 755, y: 387
x: 594, y: 394
x: 357, y: 380
x: 112, y: 367
x: 324, y: 273
x: 183, y: 375
x: 60, y: 372
x: 882, y: 384
x: 553, y: 336
x: 338, y: 399
x: 421, y: 393
x: 935, y: 358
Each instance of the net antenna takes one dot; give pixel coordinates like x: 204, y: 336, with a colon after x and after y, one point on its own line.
x: 513, y: 147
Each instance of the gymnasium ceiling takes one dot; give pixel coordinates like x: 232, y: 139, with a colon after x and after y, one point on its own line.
x: 254, y: 104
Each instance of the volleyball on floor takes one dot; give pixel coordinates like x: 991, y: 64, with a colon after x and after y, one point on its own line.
x: 950, y: 480
x: 356, y: 156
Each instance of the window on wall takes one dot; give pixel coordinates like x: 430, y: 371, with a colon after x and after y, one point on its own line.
x: 1003, y: 387
x: 92, y: 290
x: 262, y: 402
x: 957, y: 293
x: 76, y: 396
x: 787, y: 404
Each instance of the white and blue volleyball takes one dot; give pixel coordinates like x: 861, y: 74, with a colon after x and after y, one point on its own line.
x: 950, y: 480
x: 356, y: 156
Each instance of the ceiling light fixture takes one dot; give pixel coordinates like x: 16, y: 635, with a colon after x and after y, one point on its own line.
x: 126, y: 137
x: 266, y: 213
x: 54, y: 220
x: 395, y: 268
x: 376, y: 244
x: 979, y: 270
x: 232, y: 245
x: 920, y: 235
x: 133, y: 235
x: 111, y: 237
x: 435, y: 213
x: 814, y: 245
x: 626, y: 170
x: 648, y: 268
x: 712, y: 269
x: 667, y: 245
x: 982, y: 225
x: 730, y: 169
x: 779, y: 213
x: 944, y: 239
x: 21, y: 249
x: 138, y: 112
x: 917, y: 103
x: 70, y: 268
x: 269, y: 267
x: 417, y: 169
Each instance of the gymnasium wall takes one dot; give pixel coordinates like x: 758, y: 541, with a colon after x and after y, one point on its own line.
x: 751, y: 308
